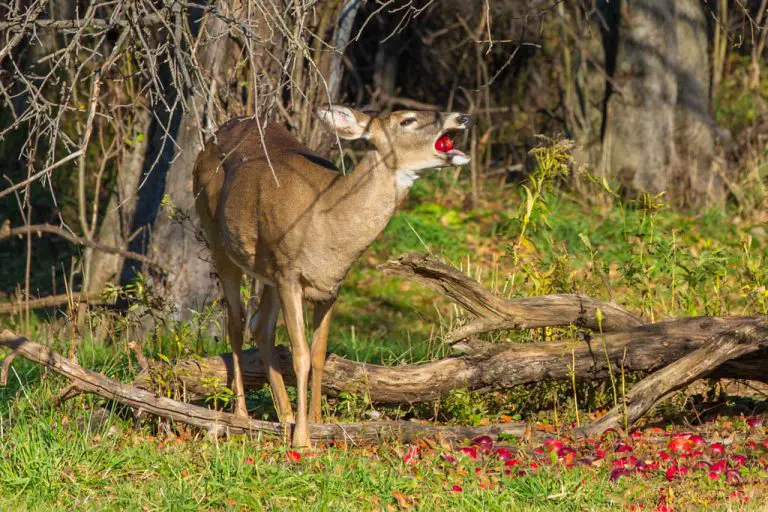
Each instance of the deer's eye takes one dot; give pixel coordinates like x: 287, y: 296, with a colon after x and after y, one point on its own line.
x: 407, y: 121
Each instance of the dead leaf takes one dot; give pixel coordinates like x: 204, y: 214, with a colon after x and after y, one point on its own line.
x: 403, y: 501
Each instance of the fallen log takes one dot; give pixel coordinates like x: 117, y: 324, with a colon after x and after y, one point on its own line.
x: 679, y: 351
x: 645, y: 348
x: 720, y: 348
x: 219, y: 423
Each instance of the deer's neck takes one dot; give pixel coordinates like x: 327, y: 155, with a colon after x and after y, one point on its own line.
x: 363, y: 201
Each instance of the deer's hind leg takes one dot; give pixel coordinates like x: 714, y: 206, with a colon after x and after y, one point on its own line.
x: 230, y: 276
x: 262, y: 325
x: 290, y: 294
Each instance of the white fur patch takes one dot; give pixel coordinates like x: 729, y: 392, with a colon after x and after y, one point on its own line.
x: 405, y: 178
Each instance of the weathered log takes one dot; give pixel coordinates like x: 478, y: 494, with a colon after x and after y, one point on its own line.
x: 644, y: 348
x: 720, y: 348
x: 219, y: 423
x: 496, y: 313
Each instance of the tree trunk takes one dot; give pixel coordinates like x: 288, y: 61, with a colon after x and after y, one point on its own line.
x: 166, y: 201
x: 639, y: 148
x: 657, y: 133
x: 115, y: 228
x: 695, y: 132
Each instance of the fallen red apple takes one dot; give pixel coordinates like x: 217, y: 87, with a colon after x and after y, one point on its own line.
x: 716, y: 449
x: 553, y: 445
x: 483, y: 443
x: 410, y: 456
x: 738, y: 460
x: 617, y: 473
x: 733, y: 477
x: 680, y: 445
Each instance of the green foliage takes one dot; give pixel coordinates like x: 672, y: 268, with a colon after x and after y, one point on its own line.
x: 466, y: 407
x: 216, y: 393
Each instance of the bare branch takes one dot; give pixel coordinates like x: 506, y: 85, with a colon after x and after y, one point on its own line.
x: 71, y: 237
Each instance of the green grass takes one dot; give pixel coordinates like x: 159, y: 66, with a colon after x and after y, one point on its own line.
x: 78, y: 457
x: 654, y: 261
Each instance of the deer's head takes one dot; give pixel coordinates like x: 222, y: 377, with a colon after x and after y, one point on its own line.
x: 408, y: 140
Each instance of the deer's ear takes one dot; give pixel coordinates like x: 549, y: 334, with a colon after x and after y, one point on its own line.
x: 349, y: 123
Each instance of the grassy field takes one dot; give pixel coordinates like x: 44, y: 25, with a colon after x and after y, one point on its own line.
x: 520, y: 241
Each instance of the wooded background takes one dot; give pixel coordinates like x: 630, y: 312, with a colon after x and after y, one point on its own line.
x: 105, y: 106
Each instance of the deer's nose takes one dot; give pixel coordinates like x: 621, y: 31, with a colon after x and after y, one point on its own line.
x: 464, y: 119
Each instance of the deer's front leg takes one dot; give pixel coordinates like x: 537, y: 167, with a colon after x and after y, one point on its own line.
x: 321, y: 320
x: 291, y: 300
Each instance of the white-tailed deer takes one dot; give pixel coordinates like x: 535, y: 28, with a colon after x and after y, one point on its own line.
x: 290, y: 219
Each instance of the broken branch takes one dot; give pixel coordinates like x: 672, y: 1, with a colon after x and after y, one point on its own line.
x: 220, y: 423
x: 498, y: 313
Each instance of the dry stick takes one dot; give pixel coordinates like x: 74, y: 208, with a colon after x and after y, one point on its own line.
x: 98, y: 23
x: 30, y: 18
x: 70, y: 237
x: 719, y: 349
x: 53, y: 301
x: 38, y: 175
x: 218, y: 423
x: 497, y: 366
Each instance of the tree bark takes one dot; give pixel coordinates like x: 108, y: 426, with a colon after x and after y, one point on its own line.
x: 496, y: 313
x: 695, y: 129
x: 658, y: 133
x: 639, y: 148
x: 716, y: 351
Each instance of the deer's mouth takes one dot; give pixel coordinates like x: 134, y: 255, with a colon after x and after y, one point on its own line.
x: 444, y: 145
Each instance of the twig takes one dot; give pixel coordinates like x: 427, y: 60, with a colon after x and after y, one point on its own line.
x: 70, y: 237
x: 71, y: 391
x: 36, y: 176
x: 53, y: 301
x: 23, y: 25
x: 7, y: 366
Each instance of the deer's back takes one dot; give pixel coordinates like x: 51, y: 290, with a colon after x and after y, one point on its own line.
x: 253, y: 208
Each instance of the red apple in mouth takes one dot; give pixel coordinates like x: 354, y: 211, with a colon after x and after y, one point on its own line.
x: 444, y: 144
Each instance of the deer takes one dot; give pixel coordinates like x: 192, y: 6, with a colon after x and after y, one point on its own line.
x: 274, y: 210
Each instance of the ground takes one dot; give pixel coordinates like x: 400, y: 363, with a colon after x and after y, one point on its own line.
x: 519, y: 241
